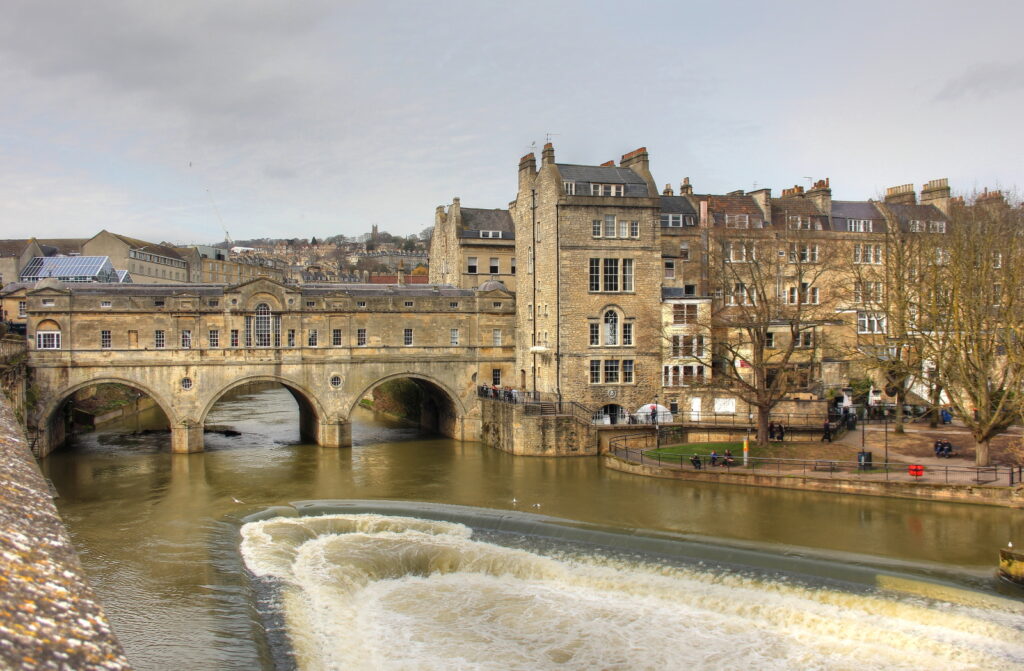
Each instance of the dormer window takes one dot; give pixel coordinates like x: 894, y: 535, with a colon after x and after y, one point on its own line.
x: 737, y: 221
x: 916, y: 226
x: 936, y: 227
x: 490, y: 234
x: 569, y: 188
x: 859, y: 225
x: 798, y: 222
x: 607, y: 190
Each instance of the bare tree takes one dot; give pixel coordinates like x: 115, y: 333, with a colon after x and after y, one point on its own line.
x: 766, y: 320
x: 972, y: 316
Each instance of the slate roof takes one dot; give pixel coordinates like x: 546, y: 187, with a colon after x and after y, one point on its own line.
x: 677, y: 205
x: 49, y: 246
x: 475, y: 219
x: 906, y: 213
x: 150, y: 247
x: 603, y: 174
x: 719, y: 206
x: 843, y: 210
x: 792, y: 207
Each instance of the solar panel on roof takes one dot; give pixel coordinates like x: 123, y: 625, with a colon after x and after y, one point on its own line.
x: 70, y: 269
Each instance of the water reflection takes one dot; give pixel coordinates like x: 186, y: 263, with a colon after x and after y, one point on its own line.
x: 158, y: 533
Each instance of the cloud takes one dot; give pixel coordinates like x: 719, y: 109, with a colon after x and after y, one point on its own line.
x: 983, y: 81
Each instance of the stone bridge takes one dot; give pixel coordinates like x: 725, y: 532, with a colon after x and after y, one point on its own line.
x: 186, y: 346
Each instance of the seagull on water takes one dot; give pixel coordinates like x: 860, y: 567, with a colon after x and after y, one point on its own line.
x: 514, y: 500
x: 536, y: 505
x: 237, y: 500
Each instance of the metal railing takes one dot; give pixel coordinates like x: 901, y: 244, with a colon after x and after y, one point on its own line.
x: 637, y: 449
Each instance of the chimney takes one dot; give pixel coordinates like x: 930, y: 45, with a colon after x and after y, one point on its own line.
x: 703, y: 214
x: 795, y: 192
x: 821, y: 195
x: 668, y: 191
x: 527, y: 171
x: 547, y: 157
x: 763, y: 198
x: 639, y: 162
x: 685, y: 188
x: 608, y: 164
x: 900, y: 195
x: 936, y: 192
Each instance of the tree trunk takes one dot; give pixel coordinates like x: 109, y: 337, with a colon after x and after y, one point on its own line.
x: 762, y: 427
x: 981, y: 453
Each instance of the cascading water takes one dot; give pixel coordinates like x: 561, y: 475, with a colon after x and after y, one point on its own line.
x: 371, y: 591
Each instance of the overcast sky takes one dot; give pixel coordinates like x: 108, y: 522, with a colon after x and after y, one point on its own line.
x: 171, y: 120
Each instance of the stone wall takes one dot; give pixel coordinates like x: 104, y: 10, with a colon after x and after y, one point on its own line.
x: 507, y: 427
x: 49, y: 616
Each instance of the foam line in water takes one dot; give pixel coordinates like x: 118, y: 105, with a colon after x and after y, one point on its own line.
x: 372, y: 591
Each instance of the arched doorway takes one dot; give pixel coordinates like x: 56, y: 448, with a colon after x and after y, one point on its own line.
x: 614, y: 414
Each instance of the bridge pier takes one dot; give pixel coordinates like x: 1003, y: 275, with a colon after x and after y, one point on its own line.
x: 334, y: 433
x: 187, y: 437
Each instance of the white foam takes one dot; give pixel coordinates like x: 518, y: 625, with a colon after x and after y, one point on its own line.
x: 377, y: 592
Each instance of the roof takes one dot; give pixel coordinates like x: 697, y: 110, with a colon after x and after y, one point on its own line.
x: 150, y: 247
x: 719, y: 206
x: 677, y: 205
x: 80, y: 268
x: 336, y: 289
x: 124, y: 277
x: 635, y: 185
x: 49, y: 246
x: 486, y: 220
x: 844, y: 210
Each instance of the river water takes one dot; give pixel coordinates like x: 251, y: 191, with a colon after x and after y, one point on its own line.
x: 646, y: 573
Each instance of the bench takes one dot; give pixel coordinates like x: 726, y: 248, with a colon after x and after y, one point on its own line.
x: 824, y: 465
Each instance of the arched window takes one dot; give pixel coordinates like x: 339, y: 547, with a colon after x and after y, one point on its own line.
x: 263, y: 325
x: 611, y: 328
x: 48, y: 335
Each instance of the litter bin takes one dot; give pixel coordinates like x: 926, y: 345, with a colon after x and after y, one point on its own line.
x: 864, y: 460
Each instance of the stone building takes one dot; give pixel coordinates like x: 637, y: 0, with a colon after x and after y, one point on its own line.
x: 148, y: 262
x: 214, y: 265
x: 471, y: 246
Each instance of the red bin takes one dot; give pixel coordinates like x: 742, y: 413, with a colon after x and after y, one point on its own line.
x: 916, y: 470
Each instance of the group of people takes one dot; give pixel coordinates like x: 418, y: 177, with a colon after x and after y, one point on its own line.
x: 725, y: 459
x: 776, y: 431
x: 507, y: 394
x: 944, y: 449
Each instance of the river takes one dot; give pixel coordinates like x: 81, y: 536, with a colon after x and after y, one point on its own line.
x: 159, y: 537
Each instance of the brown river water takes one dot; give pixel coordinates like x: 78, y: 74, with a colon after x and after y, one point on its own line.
x: 747, y: 577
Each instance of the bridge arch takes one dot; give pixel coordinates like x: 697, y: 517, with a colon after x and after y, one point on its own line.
x: 52, y: 436
x: 446, y: 417
x: 311, y: 412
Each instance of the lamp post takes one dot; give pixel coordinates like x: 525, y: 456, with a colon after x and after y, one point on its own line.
x: 885, y: 431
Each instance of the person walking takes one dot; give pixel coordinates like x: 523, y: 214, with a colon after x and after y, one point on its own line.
x: 780, y: 431
x: 826, y: 436
x: 771, y: 430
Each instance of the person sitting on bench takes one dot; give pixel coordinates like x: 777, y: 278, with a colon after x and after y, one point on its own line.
x: 714, y: 458
x: 947, y: 449
x: 939, y: 447
x: 695, y: 460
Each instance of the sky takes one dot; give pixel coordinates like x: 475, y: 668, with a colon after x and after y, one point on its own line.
x: 175, y: 121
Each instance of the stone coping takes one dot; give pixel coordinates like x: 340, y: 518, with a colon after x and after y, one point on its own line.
x: 49, y: 616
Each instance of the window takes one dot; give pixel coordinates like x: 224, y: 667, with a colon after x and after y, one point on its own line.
x: 804, y: 340
x: 916, y: 226
x: 611, y: 274
x: 606, y: 189
x: 687, y: 346
x: 595, y: 372
x: 496, y: 337
x: 627, y: 274
x: 311, y: 339
x: 234, y: 337
x: 741, y: 295
x: 291, y: 337
x: 407, y: 337
x: 453, y: 305
x: 684, y: 313
x: 859, y: 225
x: 48, y: 302
x: 471, y: 265
x: 867, y: 292
x: 408, y: 304
x: 214, y: 338
x: 213, y: 302
x: 870, y: 322
x: 867, y: 254
x: 684, y: 251
x: 569, y: 188
x: 670, y: 269
x: 360, y: 337
x: 496, y: 377
x: 310, y: 304
x: 737, y: 221
x: 186, y: 383
x: 360, y: 304
x: 47, y: 339
x: 595, y: 228
x: 634, y: 229
x: 611, y: 371
x: 454, y: 339
x: 936, y: 227
x: 627, y: 334
x: 159, y: 303
x: 494, y: 266
x: 262, y: 326
x: 105, y: 339
x: 769, y: 340
x: 595, y: 334
x: 186, y: 339
x: 21, y: 309
x: 799, y: 253
x: 336, y: 337
x: 158, y: 339
x: 490, y: 234
x: 496, y: 304
x: 739, y: 252
x: 672, y: 220
x: 941, y: 256
x: 627, y: 371
x: 105, y: 304
x: 512, y: 266
x: 609, y: 226
x: 802, y: 223
x: 805, y: 294
x: 335, y: 381
x: 611, y: 328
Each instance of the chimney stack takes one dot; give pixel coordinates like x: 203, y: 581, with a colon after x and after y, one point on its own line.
x: 608, y: 164
x: 900, y: 195
x: 936, y: 192
x: 547, y: 157
x: 527, y: 171
x: 685, y: 188
x: 668, y: 191
x: 639, y: 162
x: 821, y: 195
x: 795, y: 192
